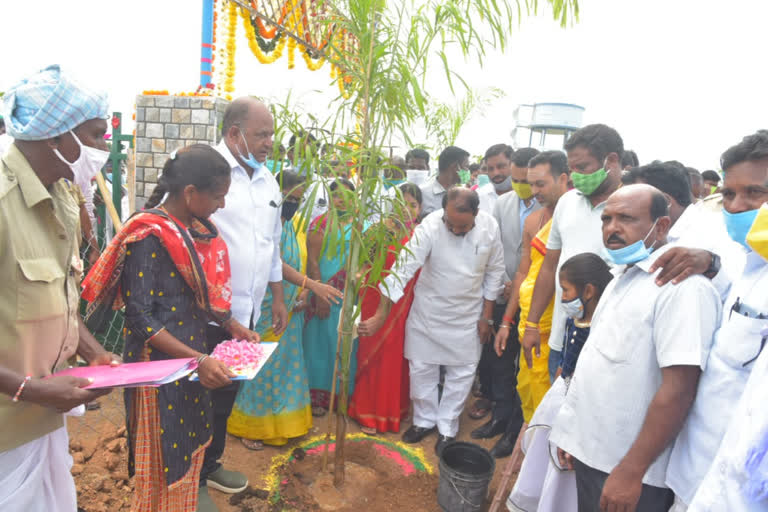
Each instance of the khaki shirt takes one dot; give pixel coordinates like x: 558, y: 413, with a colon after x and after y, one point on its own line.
x: 41, y: 271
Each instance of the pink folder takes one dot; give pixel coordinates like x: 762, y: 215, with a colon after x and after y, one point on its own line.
x: 131, y: 375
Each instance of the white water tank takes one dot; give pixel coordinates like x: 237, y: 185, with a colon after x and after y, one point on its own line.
x: 548, y: 125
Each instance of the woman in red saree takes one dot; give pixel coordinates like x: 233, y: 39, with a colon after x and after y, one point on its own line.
x: 381, y: 397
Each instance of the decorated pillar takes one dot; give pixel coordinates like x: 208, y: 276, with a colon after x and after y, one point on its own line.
x: 166, y: 123
x: 206, y: 46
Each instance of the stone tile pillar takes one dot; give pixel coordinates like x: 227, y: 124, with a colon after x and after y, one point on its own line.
x: 167, y: 123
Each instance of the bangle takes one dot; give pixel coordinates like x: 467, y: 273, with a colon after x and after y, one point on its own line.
x: 21, y: 388
x: 531, y: 325
x: 202, y: 358
x: 505, y: 326
x: 508, y: 319
x: 304, y: 283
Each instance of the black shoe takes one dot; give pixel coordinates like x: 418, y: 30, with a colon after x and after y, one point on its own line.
x: 503, y: 447
x: 442, y: 442
x: 490, y: 429
x: 415, y: 434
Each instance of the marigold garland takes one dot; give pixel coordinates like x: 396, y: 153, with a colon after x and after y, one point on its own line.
x: 312, y: 65
x: 254, y: 45
x: 229, y: 82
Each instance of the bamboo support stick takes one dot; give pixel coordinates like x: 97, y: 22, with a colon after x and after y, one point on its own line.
x: 506, y: 476
x: 131, y: 166
x: 107, y: 197
x: 331, y: 413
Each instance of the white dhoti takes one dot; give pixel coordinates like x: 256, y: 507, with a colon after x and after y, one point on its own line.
x: 542, y: 486
x: 36, y: 476
x: 444, y: 412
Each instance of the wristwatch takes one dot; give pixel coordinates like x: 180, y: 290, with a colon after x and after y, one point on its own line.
x: 714, y: 266
x: 488, y: 321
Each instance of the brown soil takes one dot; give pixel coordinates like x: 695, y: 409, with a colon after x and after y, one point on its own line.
x: 372, y: 483
x: 103, y: 489
x: 100, y: 458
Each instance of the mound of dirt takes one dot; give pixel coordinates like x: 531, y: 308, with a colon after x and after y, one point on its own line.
x: 373, y: 483
x: 100, y: 467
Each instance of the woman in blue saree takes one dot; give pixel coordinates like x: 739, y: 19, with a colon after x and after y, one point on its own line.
x: 275, y: 406
x: 327, y: 248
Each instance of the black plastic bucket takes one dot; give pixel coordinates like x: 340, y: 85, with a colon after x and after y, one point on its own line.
x: 466, y: 470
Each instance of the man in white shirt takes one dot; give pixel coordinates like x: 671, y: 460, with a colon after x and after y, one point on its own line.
x: 701, y: 232
x: 507, y: 170
x: 250, y: 225
x: 417, y: 166
x: 459, y: 252
x: 637, y: 374
x: 594, y: 157
x: 745, y: 189
x: 451, y: 161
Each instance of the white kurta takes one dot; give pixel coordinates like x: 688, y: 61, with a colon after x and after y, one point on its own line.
x: 723, y: 488
x: 722, y: 382
x: 488, y: 197
x: 699, y: 228
x: 457, y: 274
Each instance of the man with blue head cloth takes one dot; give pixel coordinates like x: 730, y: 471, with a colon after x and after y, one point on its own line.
x: 58, y: 127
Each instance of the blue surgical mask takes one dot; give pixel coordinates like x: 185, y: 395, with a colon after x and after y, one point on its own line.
x: 251, y: 160
x: 573, y: 308
x: 739, y: 224
x: 632, y: 253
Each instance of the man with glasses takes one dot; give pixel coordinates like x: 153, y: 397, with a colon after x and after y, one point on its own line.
x: 458, y: 249
x: 740, y: 338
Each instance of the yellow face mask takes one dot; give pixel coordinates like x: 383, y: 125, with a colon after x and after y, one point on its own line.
x: 523, y: 190
x: 757, y: 238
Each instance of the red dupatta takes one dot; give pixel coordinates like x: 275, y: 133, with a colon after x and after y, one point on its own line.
x: 206, y: 271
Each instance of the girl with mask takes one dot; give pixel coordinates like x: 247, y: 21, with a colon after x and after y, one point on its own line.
x: 170, y: 268
x: 542, y: 485
x: 583, y: 279
x: 275, y: 407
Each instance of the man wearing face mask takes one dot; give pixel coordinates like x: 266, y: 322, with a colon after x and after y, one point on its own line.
x: 250, y: 224
x: 459, y: 252
x: 510, y: 199
x: 697, y: 234
x: 40, y: 328
x: 594, y: 158
x: 637, y: 373
x: 450, y: 162
x: 740, y: 339
x: 736, y: 476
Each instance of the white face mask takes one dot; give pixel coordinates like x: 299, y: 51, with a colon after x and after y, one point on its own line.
x: 88, y: 164
x: 573, y: 308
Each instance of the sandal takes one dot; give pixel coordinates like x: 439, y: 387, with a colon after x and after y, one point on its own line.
x: 318, y: 412
x: 252, y: 444
x: 369, y: 431
x: 480, y: 409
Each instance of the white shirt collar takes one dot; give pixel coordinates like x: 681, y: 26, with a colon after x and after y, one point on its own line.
x: 235, y: 165
x: 437, y: 188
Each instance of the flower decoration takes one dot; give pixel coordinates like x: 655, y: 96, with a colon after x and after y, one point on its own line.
x: 240, y: 356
